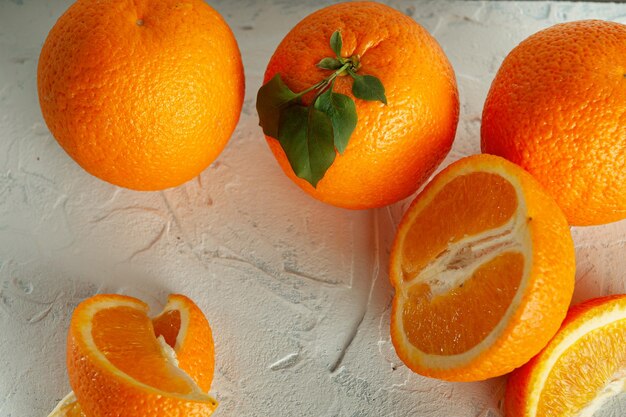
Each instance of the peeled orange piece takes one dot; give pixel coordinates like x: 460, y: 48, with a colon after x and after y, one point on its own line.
x: 118, y: 367
x: 483, y: 268
x: 582, y: 366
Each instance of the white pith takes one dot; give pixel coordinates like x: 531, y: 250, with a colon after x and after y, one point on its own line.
x: 613, y: 387
x: 470, y: 253
x: 462, y: 258
x: 196, y: 395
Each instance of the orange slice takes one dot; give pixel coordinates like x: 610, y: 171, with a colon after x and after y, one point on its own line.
x: 581, y: 368
x: 185, y: 328
x: 483, y: 268
x: 118, y: 366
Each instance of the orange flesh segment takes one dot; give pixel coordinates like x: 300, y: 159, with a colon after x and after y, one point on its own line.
x: 168, y: 326
x: 455, y: 322
x: 583, y: 370
x: 126, y: 337
x: 467, y: 205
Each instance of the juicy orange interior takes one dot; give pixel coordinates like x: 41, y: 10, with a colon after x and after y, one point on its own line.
x: 168, y: 326
x: 467, y: 205
x: 583, y: 370
x: 126, y: 337
x: 455, y: 321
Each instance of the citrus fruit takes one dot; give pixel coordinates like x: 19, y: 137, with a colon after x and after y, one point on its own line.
x: 581, y: 367
x: 394, y: 147
x: 185, y: 328
x: 483, y: 271
x: 117, y: 366
x: 557, y: 108
x: 142, y: 94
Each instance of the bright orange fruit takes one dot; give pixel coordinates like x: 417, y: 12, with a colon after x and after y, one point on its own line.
x: 483, y: 268
x: 557, y: 108
x: 581, y: 367
x: 143, y: 94
x: 395, y: 147
x: 117, y: 366
x: 185, y: 328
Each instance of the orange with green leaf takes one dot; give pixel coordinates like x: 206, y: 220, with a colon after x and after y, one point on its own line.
x: 359, y: 105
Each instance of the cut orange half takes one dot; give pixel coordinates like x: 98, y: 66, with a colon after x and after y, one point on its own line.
x: 122, y: 363
x: 579, y: 370
x: 483, y: 268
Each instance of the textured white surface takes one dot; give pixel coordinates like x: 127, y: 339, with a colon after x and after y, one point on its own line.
x: 296, y: 291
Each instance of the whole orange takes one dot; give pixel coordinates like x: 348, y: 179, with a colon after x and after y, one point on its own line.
x: 143, y: 94
x: 557, y: 107
x: 395, y: 147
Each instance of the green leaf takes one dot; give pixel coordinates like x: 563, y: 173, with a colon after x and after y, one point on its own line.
x: 292, y: 137
x: 336, y: 43
x: 341, y: 111
x: 329, y: 64
x: 321, y: 144
x: 368, y: 87
x: 271, y: 98
x: 306, y: 136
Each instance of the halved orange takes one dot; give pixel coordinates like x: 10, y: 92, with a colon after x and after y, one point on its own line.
x: 483, y: 268
x: 121, y: 363
x: 582, y: 366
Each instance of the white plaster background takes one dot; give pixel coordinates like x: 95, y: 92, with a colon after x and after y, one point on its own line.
x: 297, y: 292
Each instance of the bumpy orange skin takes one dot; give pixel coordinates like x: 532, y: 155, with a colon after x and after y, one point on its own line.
x: 557, y: 108
x: 396, y: 147
x: 143, y: 94
x: 100, y: 393
x: 545, y: 301
x: 520, y: 382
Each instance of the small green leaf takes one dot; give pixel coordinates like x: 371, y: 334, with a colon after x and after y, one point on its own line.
x: 306, y: 136
x: 271, y: 98
x: 336, y: 43
x: 329, y: 64
x: 321, y: 144
x: 368, y: 87
x: 341, y: 111
x: 292, y: 138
